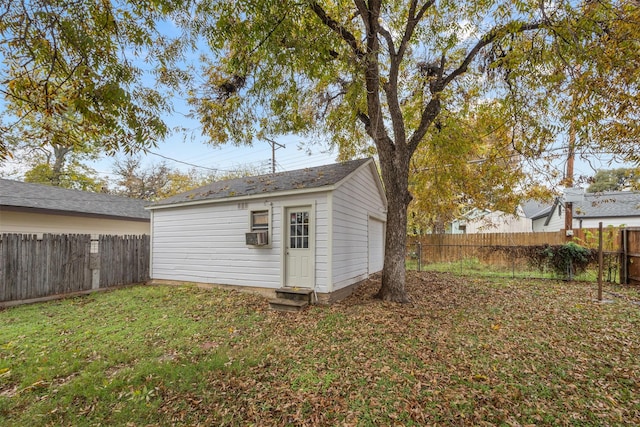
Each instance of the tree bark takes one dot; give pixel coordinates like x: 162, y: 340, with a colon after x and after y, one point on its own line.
x: 59, y: 154
x: 396, y: 170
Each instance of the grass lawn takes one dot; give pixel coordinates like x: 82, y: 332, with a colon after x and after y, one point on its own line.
x: 465, y: 352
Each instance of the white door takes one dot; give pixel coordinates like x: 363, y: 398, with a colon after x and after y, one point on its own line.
x: 298, y: 258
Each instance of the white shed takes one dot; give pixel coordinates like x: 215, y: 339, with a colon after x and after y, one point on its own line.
x: 319, y: 228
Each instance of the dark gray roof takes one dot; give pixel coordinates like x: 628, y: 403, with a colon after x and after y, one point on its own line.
x: 594, y: 205
x: 307, y: 178
x: 22, y: 196
x: 534, y: 209
x: 608, y: 204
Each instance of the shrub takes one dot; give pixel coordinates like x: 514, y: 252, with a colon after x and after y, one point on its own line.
x: 566, y: 260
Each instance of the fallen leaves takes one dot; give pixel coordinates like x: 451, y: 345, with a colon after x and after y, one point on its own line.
x: 464, y: 352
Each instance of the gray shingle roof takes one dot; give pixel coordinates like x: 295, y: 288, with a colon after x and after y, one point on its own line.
x: 608, y: 204
x: 22, y: 195
x: 307, y: 178
x: 594, y: 205
x: 534, y: 209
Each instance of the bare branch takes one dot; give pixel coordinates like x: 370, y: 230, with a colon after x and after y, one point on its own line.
x: 389, y: 40
x: 429, y: 113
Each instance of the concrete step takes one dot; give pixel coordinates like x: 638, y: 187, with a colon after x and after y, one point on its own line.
x: 295, y: 294
x: 284, y: 304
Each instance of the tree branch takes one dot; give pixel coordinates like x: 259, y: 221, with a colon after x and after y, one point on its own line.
x: 433, y: 107
x: 429, y: 113
x: 338, y: 29
x: 412, y: 22
x: 494, y: 34
x: 389, y: 40
x: 391, y: 86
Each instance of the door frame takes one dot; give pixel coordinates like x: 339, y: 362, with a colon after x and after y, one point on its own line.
x: 284, y: 227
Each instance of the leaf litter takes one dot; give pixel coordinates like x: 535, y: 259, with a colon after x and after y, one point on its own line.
x: 464, y: 351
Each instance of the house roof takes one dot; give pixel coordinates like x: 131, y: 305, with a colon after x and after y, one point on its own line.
x: 296, y: 180
x: 535, y: 209
x: 608, y: 204
x: 16, y: 195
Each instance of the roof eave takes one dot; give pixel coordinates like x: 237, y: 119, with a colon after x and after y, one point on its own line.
x: 29, y: 209
x: 234, y: 199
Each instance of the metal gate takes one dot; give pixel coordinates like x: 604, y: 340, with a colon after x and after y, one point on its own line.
x: 630, y: 268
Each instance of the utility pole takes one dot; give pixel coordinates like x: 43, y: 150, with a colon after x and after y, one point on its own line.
x: 568, y: 208
x: 274, y: 147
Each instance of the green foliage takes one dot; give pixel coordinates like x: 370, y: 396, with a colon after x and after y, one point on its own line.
x: 468, y: 161
x: 565, y: 260
x: 75, y: 176
x: 586, y: 76
x: 68, y: 76
x: 620, y: 179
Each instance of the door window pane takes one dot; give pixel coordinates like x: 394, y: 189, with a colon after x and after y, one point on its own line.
x: 299, y: 230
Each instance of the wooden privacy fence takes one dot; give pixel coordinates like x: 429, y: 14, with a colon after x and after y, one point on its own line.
x: 630, y: 273
x: 453, y: 247
x: 60, y: 264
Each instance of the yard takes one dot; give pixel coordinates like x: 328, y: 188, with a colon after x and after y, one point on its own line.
x: 465, y: 352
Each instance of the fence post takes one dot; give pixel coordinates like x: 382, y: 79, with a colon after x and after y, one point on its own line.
x: 419, y: 250
x: 623, y: 258
x: 600, y: 261
x: 94, y: 264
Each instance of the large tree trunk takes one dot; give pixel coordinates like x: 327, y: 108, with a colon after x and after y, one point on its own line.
x: 59, y: 155
x: 396, y: 173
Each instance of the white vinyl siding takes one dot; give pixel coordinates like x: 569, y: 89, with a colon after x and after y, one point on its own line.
x: 207, y: 244
x: 556, y: 222
x: 353, y: 203
x: 321, y: 243
x: 494, y: 222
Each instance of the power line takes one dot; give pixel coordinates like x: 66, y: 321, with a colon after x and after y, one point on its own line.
x: 184, y: 163
x: 191, y: 164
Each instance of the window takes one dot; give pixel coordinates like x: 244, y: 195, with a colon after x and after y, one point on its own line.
x: 299, y: 231
x: 258, y: 234
x: 260, y: 221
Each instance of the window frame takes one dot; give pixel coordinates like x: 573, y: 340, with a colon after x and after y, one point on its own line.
x: 252, y: 227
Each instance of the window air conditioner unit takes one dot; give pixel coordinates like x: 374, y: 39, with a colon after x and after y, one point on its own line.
x: 256, y: 238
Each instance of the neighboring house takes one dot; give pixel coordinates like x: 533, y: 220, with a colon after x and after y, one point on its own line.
x: 544, y: 216
x: 36, y: 209
x: 611, y: 208
x: 319, y: 228
x: 485, y: 221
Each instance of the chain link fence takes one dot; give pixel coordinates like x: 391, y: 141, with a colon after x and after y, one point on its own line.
x: 489, y: 256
